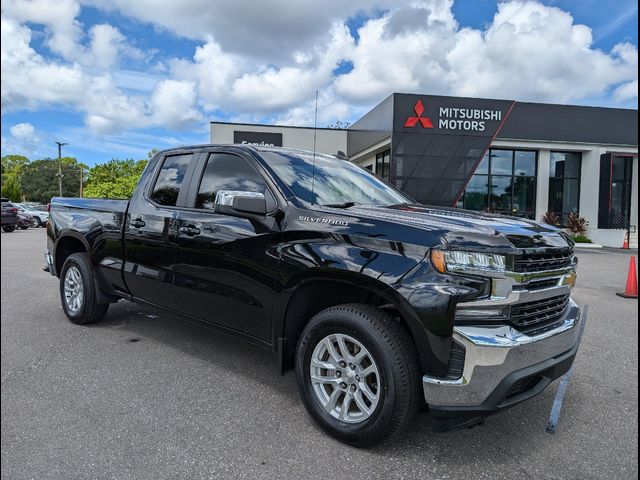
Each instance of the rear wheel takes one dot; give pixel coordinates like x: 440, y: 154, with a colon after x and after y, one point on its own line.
x: 78, y: 291
x: 9, y: 228
x: 358, y: 374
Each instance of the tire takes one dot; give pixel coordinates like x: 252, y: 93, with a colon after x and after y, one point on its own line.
x: 23, y: 227
x: 86, y: 309
x: 397, y: 378
x: 37, y: 222
x: 9, y: 228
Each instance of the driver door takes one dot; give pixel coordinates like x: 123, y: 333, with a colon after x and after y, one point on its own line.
x: 225, y: 268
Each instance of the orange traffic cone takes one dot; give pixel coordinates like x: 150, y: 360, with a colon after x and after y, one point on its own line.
x: 625, y: 244
x: 631, y: 290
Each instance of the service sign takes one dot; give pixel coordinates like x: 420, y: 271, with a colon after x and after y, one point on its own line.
x: 263, y: 139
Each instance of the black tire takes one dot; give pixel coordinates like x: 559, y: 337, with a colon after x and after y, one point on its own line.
x: 23, y: 227
x: 90, y: 310
x: 9, y: 228
x: 37, y: 222
x: 394, y: 352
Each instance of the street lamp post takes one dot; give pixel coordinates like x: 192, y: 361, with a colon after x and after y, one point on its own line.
x: 60, y: 175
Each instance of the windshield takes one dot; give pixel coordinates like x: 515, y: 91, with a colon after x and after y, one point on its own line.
x: 337, y: 182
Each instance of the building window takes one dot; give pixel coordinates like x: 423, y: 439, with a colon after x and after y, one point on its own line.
x: 383, y: 164
x: 621, y: 187
x: 504, y: 182
x: 564, y: 184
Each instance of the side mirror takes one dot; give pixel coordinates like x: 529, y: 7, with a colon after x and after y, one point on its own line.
x: 240, y: 204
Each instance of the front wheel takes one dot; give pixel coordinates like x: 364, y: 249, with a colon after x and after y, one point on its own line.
x: 37, y: 222
x: 78, y: 291
x: 358, y: 375
x: 9, y: 228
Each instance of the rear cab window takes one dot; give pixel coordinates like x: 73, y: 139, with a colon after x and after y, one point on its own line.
x: 170, y: 179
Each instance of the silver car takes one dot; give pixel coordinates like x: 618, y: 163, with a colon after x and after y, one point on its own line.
x: 38, y: 212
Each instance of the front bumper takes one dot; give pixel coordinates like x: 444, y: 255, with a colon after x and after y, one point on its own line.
x: 503, y: 367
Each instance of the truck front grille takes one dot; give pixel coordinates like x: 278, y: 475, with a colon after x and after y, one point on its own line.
x: 540, y: 262
x: 536, y: 317
x: 534, y: 285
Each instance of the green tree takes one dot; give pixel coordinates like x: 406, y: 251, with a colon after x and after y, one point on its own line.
x: 39, y: 179
x: 12, y: 166
x: 114, y: 179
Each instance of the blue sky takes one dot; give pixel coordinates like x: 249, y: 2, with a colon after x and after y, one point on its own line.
x: 117, y: 78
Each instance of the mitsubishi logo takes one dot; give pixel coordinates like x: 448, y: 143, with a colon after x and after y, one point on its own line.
x: 413, y: 121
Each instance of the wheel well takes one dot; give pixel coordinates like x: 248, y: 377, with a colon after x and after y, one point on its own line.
x: 65, y: 247
x: 313, y: 297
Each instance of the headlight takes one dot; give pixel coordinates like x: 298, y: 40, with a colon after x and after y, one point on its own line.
x: 454, y: 261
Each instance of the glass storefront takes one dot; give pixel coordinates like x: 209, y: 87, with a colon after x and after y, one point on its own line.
x: 564, y: 184
x: 383, y: 164
x: 504, y: 182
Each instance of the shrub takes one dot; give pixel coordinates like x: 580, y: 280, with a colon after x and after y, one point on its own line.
x: 551, y: 218
x: 576, y: 224
x: 581, y: 239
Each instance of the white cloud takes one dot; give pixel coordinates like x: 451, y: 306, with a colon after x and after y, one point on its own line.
x: 23, y: 138
x: 106, y: 43
x: 269, y: 31
x: 23, y: 131
x: 529, y: 52
x: 59, y: 16
x: 28, y: 80
x: 174, y: 104
x: 265, y: 60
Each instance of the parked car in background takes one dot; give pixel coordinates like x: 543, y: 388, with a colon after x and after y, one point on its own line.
x: 24, y: 220
x: 9, y: 215
x: 38, y: 212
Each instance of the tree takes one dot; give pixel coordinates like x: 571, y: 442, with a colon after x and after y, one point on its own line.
x: 114, y: 179
x: 339, y: 125
x: 12, y: 166
x: 39, y: 179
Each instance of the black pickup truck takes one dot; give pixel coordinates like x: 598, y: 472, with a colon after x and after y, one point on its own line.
x: 384, y: 307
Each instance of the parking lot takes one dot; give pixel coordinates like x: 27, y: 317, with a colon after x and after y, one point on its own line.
x: 142, y: 395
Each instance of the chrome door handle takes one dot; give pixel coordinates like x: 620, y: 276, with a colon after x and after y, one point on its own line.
x: 190, y: 230
x: 137, y: 223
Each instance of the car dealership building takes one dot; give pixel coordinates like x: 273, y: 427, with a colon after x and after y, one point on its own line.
x: 501, y: 156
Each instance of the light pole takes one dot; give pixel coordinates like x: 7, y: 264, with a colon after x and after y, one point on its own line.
x: 60, y: 175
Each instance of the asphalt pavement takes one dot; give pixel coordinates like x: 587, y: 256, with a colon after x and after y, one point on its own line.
x: 143, y: 395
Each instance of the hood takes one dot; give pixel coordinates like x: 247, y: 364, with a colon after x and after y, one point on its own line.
x: 465, y: 228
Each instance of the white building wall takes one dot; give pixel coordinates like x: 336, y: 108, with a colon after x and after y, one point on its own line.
x: 328, y: 140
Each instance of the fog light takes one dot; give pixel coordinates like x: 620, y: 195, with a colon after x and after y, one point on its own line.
x: 480, y: 313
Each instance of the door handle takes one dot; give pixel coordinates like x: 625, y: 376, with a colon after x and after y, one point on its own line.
x: 137, y: 223
x: 190, y: 230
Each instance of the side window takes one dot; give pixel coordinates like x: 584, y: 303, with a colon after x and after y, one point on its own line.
x: 167, y: 187
x: 225, y: 171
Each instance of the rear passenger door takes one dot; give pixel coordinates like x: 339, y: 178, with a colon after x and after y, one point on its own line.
x: 225, y: 266
x: 150, y: 234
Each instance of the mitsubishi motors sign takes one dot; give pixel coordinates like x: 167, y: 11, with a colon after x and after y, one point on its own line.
x: 453, y: 118
x: 437, y: 143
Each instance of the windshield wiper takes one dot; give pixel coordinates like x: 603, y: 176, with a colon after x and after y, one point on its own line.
x: 340, y: 205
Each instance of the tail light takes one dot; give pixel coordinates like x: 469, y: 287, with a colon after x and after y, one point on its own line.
x: 14, y: 210
x: 48, y: 207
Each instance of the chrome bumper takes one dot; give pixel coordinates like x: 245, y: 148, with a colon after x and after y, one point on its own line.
x: 493, y: 353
